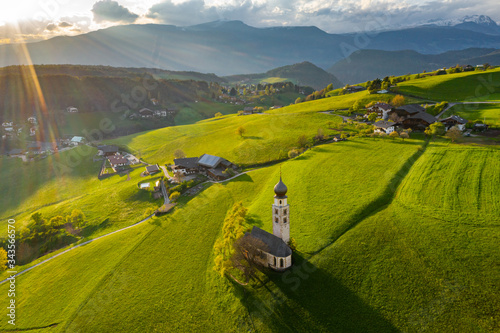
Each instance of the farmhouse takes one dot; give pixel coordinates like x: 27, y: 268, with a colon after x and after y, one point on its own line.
x: 186, y: 165
x: 353, y: 89
x: 384, y: 126
x: 276, y: 254
x: 15, y: 152
x: 106, y: 150
x: 146, y: 113
x: 117, y: 161
x: 213, y: 166
x: 454, y: 121
x: 382, y: 110
x: 152, y: 169
x: 419, y: 121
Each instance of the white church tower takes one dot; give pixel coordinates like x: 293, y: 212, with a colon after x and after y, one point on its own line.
x: 281, y: 212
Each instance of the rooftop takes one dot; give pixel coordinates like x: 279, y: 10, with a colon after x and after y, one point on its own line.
x: 117, y: 159
x: 276, y: 246
x: 384, y: 124
x: 429, y: 118
x: 152, y: 168
x: 457, y: 119
x: 411, y: 108
x: 209, y: 161
x: 188, y: 163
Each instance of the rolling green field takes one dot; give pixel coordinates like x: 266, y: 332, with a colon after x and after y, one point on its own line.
x: 340, y: 102
x: 487, y: 113
x: 60, y: 183
x: 455, y: 87
x: 391, y: 236
x: 380, y: 248
x: 267, y: 137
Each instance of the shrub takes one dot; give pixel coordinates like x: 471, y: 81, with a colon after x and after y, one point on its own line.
x: 174, y: 196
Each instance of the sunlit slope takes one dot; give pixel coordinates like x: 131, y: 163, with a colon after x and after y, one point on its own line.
x: 487, y: 113
x: 179, y: 290
x: 477, y: 85
x: 457, y: 183
x: 66, y: 181
x: 376, y: 261
x: 267, y: 138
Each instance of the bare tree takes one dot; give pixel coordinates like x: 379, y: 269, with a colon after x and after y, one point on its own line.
x: 178, y: 153
x: 248, y: 252
x: 178, y: 176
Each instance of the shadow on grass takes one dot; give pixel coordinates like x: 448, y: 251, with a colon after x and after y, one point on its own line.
x: 253, y: 219
x: 253, y: 137
x: 242, y: 178
x: 307, y: 298
x: 382, y: 201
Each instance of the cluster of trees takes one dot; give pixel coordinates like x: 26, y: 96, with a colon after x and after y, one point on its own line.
x: 316, y: 94
x: 233, y: 229
x: 436, y: 108
x: 43, y: 234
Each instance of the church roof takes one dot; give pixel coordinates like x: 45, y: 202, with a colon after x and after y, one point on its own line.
x: 280, y: 189
x: 276, y: 246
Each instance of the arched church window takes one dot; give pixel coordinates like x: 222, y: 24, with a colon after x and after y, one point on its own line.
x: 284, y: 212
x: 275, y: 261
x: 281, y: 263
x: 276, y: 220
x: 275, y: 211
x: 280, y: 202
x: 284, y: 220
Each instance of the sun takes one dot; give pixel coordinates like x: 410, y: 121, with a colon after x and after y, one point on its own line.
x: 16, y: 11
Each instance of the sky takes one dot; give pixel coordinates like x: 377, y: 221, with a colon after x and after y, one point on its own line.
x: 33, y: 20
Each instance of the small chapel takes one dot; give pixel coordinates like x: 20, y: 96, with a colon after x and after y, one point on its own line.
x: 277, y: 254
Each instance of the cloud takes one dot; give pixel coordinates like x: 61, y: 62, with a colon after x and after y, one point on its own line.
x: 330, y: 15
x: 185, y: 13
x: 65, y: 24
x: 51, y: 27
x: 112, y: 11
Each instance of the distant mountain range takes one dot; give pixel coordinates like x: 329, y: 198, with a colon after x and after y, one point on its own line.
x: 229, y: 47
x: 367, y: 65
x: 303, y: 74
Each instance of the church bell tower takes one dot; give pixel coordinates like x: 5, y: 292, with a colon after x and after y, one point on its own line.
x: 281, y: 212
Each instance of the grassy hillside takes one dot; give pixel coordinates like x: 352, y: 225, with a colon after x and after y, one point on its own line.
x: 488, y: 113
x: 365, y: 65
x: 303, y: 74
x: 340, y: 102
x: 61, y: 183
x: 455, y: 87
x: 267, y: 137
x: 373, y: 256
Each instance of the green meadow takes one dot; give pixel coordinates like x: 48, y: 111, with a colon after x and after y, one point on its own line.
x: 340, y: 102
x: 66, y: 181
x: 477, y: 85
x: 267, y: 137
x: 487, y: 113
x: 384, y: 244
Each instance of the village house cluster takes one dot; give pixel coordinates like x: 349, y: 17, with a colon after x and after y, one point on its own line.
x: 410, y: 116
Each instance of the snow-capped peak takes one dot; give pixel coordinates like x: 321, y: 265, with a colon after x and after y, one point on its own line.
x: 478, y: 19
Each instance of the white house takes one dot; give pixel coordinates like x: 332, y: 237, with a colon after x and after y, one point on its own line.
x: 454, y: 121
x: 277, y: 255
x: 384, y: 126
x: 71, y: 109
x: 382, y: 110
x: 8, y: 124
x: 32, y: 120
